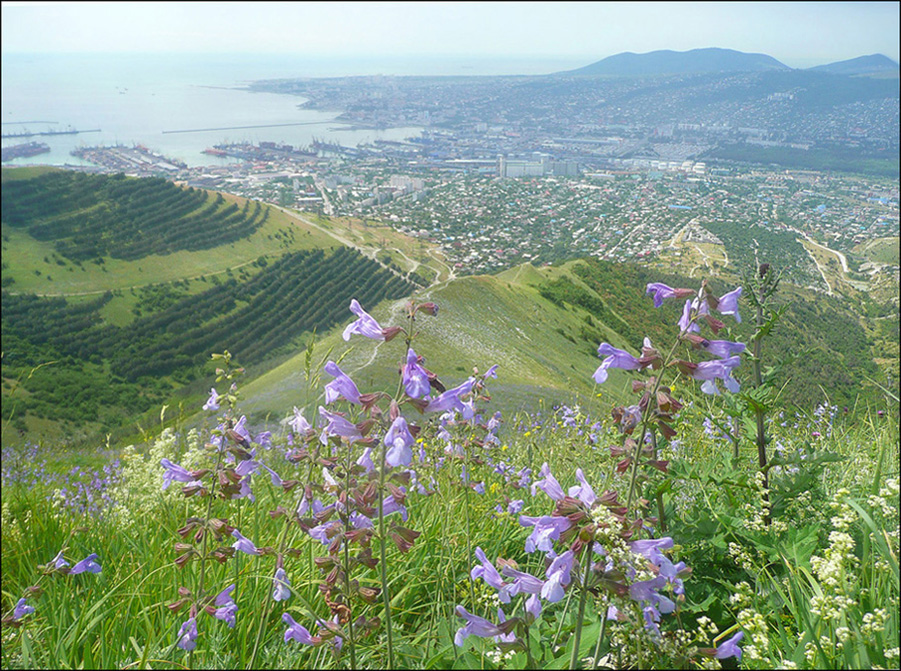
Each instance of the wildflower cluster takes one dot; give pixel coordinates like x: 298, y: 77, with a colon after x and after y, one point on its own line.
x: 589, y: 546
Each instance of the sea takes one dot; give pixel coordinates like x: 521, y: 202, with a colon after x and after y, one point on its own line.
x: 142, y: 98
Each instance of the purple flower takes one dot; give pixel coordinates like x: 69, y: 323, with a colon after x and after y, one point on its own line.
x: 297, y: 632
x: 298, y: 423
x: 247, y: 467
x: 730, y: 648
x: 491, y: 372
x: 522, y: 582
x: 341, y: 386
x: 650, y: 548
x: 451, y: 398
x: 243, y: 544
x: 336, y: 425
x: 281, y: 585
x: 275, y: 477
x: 533, y: 606
x: 547, y: 530
x: 321, y: 532
x: 241, y: 429
x: 88, y: 564
x: 399, y: 441
x: 558, y: 575
x: 616, y: 358
x: 226, y: 608
x: 728, y: 304
x: 548, y: 484
x: 583, y: 490
x: 415, y: 378
x: 651, y: 618
x: 645, y: 591
x: 686, y: 325
x: 489, y: 574
x: 660, y: 291
x: 175, y: 472
x: 213, y: 401
x: 22, y: 609
x: 390, y: 505
x: 365, y: 460
x: 364, y: 326
x: 475, y: 626
x: 58, y: 561
x: 723, y: 348
x: 187, y: 635
x: 710, y: 371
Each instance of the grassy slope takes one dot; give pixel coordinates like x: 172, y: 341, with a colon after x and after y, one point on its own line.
x: 119, y: 274
x: 482, y: 321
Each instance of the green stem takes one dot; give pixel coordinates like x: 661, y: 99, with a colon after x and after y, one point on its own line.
x: 597, y: 647
x: 583, y: 595
x: 661, y: 514
x: 347, y: 595
x: 385, y: 595
x: 645, y: 424
x: 758, y: 415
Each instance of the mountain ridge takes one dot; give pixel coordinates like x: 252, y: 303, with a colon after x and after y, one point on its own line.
x: 718, y: 60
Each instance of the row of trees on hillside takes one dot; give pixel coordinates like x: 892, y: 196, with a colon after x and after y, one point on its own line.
x: 93, y: 216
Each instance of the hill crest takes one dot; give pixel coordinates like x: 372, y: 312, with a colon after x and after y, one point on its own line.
x: 667, y: 62
x: 862, y: 65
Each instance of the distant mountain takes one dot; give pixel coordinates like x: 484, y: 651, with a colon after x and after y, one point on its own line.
x: 680, y: 62
x: 863, y: 65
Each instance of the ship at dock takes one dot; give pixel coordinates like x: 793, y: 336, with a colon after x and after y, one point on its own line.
x: 28, y: 133
x: 24, y: 150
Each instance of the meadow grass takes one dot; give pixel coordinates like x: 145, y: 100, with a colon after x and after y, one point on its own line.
x: 118, y: 618
x: 699, y: 553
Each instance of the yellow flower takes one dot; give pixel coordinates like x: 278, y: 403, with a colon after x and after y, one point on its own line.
x: 527, y: 434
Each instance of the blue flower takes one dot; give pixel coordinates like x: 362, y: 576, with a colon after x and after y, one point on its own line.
x: 364, y: 326
x: 87, y: 564
x: 341, y: 386
x: 22, y: 609
x: 415, y: 377
x: 399, y: 441
x: 730, y: 648
x: 616, y: 358
x: 298, y: 632
x: 187, y: 635
x: 475, y: 626
x: 281, y: 590
x: 243, y: 544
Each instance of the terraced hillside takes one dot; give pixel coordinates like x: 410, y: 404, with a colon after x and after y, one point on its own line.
x: 92, y: 344
x: 92, y: 216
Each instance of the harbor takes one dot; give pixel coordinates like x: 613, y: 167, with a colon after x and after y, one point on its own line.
x: 134, y: 160
x: 24, y: 150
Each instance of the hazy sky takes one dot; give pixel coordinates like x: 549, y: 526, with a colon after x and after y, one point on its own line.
x: 799, y: 34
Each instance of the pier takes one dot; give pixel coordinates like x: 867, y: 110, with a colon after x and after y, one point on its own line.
x: 7, y: 136
x: 268, y: 125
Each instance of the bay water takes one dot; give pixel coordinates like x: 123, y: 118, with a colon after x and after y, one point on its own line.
x: 142, y: 98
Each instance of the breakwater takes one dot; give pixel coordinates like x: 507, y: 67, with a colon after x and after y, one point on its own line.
x: 268, y: 125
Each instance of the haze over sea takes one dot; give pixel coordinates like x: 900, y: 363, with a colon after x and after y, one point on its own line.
x: 135, y: 98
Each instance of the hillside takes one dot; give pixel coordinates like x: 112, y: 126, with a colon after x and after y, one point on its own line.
x: 91, y: 345
x: 666, y: 62
x: 106, y: 351
x: 542, y: 326
x: 874, y: 64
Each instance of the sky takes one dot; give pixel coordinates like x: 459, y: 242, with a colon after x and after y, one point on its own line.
x: 800, y: 34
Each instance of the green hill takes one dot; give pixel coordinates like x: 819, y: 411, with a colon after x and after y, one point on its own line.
x: 109, y: 346
x: 542, y: 328
x: 90, y: 345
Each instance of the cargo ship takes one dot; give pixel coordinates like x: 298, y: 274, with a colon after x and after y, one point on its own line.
x: 24, y: 150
